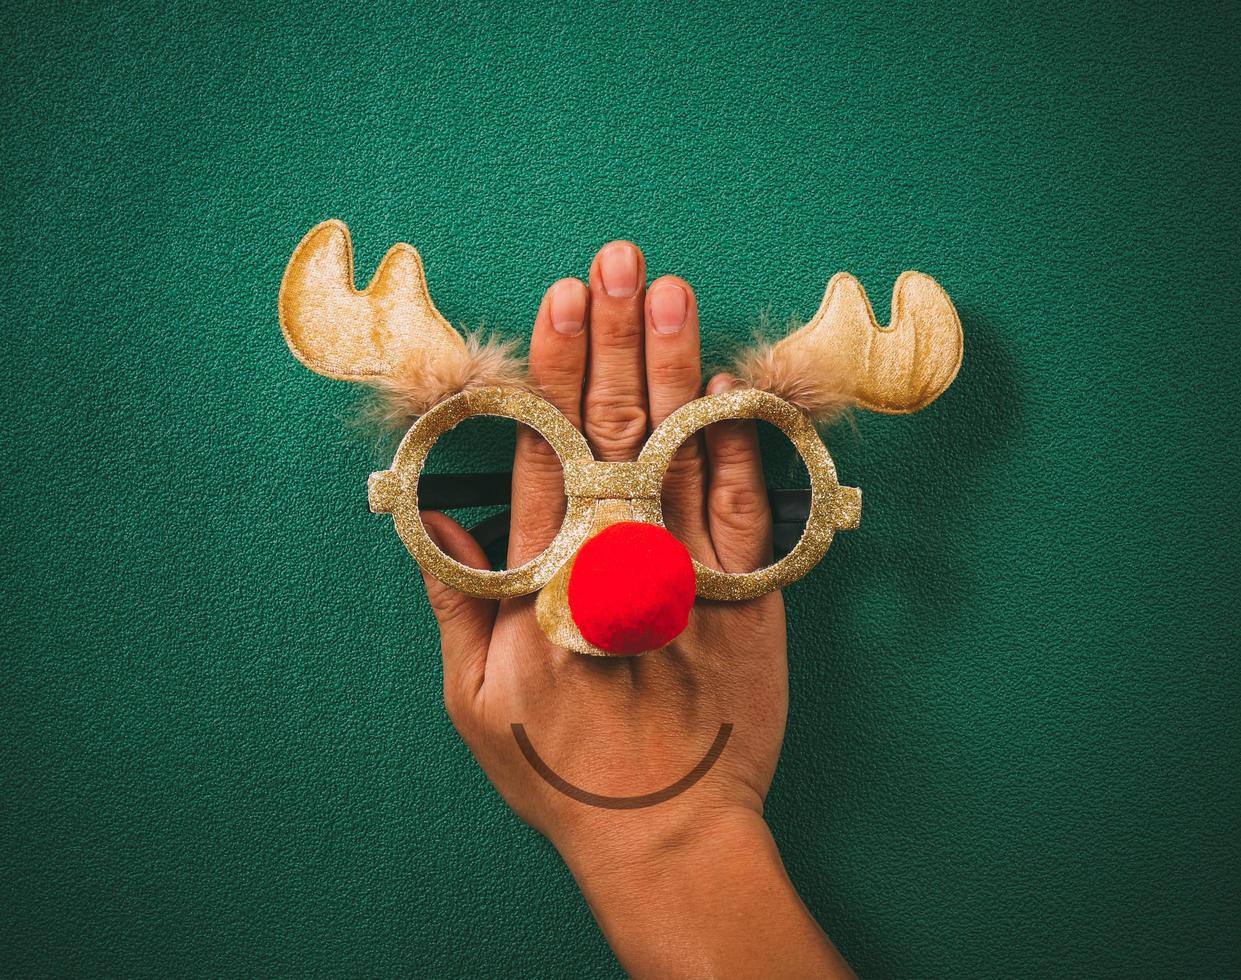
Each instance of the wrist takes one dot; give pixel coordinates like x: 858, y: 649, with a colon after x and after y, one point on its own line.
x: 617, y: 853
x: 701, y: 894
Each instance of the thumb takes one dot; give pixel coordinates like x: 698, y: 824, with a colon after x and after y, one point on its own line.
x: 465, y: 621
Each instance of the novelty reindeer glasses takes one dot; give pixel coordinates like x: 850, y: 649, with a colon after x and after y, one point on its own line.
x: 391, y: 336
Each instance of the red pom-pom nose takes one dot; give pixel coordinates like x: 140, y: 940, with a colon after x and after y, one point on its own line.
x: 631, y: 588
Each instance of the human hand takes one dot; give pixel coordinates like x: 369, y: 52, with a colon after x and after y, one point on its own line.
x: 616, y: 359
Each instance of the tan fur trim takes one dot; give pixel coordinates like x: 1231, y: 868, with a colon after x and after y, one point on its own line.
x: 824, y: 389
x: 418, y: 382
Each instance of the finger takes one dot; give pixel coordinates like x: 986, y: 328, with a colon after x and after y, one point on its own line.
x: 674, y: 379
x: 557, y: 367
x: 737, y: 510
x: 673, y: 371
x: 465, y: 621
x: 615, y: 404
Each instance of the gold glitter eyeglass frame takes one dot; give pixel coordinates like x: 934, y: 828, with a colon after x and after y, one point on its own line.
x: 588, y: 480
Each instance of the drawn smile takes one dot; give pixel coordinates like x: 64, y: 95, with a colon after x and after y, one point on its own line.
x: 558, y: 782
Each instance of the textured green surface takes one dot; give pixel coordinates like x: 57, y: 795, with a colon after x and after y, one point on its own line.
x: 1013, y: 746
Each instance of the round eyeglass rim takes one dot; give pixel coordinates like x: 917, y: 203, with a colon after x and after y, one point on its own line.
x: 411, y: 456
x: 832, y: 507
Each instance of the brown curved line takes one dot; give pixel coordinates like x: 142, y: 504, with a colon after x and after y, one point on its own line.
x: 621, y: 802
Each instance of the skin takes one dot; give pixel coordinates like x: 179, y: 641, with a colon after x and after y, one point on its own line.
x: 692, y: 887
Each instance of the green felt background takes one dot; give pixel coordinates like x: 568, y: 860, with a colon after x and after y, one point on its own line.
x: 1012, y: 748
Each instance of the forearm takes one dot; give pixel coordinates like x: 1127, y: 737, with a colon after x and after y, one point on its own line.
x: 714, y: 903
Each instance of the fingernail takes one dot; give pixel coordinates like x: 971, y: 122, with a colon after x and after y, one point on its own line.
x: 568, y: 307
x: 721, y: 383
x: 669, y: 305
x: 618, y: 265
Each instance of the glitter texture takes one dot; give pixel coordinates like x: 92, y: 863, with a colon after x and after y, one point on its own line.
x: 396, y: 490
x: 601, y: 493
x: 832, y: 507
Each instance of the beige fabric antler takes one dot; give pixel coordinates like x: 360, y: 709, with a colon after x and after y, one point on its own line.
x: 371, y: 335
x: 843, y: 357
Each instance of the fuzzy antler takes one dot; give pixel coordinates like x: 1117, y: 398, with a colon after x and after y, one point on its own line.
x: 389, y: 335
x: 843, y: 357
x: 338, y: 331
